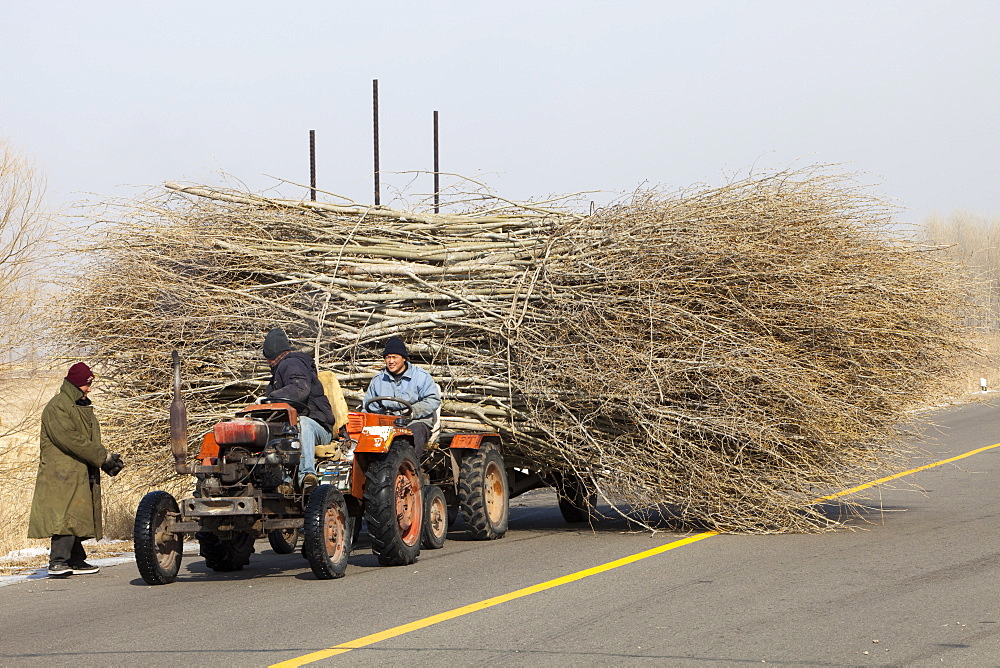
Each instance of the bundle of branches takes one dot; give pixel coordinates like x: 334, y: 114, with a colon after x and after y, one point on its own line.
x: 722, y: 353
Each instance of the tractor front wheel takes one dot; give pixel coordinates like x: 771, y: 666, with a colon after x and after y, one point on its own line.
x: 394, y: 508
x: 326, y: 543
x: 435, y: 518
x: 484, y: 494
x: 157, y: 552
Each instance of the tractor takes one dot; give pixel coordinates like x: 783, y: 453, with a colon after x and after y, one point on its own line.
x: 246, y: 487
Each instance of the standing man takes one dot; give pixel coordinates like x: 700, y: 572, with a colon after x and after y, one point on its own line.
x: 294, y: 376
x: 406, y: 381
x: 66, y: 506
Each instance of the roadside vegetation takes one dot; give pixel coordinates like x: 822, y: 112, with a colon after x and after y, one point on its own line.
x: 972, y: 242
x: 25, y: 232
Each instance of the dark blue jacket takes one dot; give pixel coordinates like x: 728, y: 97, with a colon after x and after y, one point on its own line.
x: 295, y: 378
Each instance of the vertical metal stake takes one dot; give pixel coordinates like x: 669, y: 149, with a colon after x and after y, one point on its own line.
x: 312, y: 165
x: 375, y: 124
x: 437, y: 182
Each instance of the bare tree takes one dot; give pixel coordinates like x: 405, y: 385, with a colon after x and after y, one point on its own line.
x: 973, y: 240
x: 24, y: 227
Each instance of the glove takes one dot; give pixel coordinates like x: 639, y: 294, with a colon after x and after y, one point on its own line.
x: 113, y: 465
x: 401, y: 422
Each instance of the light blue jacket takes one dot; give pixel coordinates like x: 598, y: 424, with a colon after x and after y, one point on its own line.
x: 415, y: 385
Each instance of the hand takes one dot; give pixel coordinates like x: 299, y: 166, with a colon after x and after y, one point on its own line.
x: 113, y: 465
x: 401, y: 422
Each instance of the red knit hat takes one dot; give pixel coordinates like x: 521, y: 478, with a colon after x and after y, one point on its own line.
x: 80, y: 375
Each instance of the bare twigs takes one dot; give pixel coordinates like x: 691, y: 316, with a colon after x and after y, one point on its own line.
x: 723, y: 354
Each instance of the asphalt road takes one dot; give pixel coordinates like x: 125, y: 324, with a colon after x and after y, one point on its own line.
x: 915, y: 584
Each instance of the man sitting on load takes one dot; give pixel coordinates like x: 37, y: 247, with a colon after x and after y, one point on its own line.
x: 402, y: 379
x: 294, y: 377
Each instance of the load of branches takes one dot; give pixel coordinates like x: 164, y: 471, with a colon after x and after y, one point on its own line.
x: 721, y: 355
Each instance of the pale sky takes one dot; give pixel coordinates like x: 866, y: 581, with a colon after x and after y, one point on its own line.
x: 535, y: 97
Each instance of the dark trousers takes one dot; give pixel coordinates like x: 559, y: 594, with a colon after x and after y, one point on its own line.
x: 67, y: 550
x: 421, y: 432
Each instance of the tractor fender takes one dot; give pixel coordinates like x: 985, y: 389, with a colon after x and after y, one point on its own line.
x: 373, y: 440
x: 378, y: 439
x: 474, y: 441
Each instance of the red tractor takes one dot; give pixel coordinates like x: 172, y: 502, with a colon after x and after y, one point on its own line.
x: 246, y: 487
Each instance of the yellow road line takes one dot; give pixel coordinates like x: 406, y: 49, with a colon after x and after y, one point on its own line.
x: 488, y: 603
x: 905, y: 473
x: 572, y: 577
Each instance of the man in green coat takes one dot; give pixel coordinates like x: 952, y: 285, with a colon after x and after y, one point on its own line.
x: 66, y: 506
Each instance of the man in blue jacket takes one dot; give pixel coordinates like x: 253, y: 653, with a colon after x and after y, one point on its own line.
x: 294, y: 376
x: 402, y: 379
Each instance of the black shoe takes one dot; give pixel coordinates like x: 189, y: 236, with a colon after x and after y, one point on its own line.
x: 59, y: 571
x: 83, y: 568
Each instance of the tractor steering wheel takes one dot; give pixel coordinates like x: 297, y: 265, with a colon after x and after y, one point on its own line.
x: 407, y: 406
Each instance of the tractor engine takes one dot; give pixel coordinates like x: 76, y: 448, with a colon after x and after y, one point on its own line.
x: 253, y: 453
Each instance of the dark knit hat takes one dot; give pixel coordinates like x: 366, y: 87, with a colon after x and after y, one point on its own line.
x: 275, y: 343
x: 395, y: 346
x: 80, y: 375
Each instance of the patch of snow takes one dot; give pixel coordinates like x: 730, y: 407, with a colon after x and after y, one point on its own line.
x: 190, y: 547
x: 26, y: 552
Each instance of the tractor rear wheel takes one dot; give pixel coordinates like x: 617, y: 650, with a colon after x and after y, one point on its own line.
x: 326, y: 540
x: 435, y: 518
x: 394, y: 506
x: 157, y: 552
x: 226, y: 554
x: 575, y: 503
x: 484, y: 494
x: 284, y: 541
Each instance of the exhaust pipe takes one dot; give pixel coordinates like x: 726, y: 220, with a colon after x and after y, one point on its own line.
x: 178, y: 421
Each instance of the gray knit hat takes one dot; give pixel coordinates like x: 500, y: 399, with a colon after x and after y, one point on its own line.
x: 275, y: 343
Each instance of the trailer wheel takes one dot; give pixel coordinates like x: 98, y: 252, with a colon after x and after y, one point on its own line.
x: 394, y: 506
x: 284, y: 541
x: 575, y: 503
x: 484, y: 494
x: 157, y: 552
x: 226, y: 554
x: 326, y: 539
x: 435, y: 518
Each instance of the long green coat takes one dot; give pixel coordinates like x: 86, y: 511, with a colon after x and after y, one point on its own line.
x: 67, y: 498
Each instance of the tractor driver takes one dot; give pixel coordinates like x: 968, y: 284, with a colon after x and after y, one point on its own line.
x: 402, y: 379
x: 294, y: 376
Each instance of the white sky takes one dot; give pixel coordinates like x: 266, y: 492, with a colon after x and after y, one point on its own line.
x: 535, y: 97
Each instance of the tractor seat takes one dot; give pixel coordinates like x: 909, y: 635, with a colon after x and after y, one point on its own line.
x: 331, y: 388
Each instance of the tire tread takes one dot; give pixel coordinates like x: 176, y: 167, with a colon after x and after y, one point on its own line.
x: 143, y: 536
